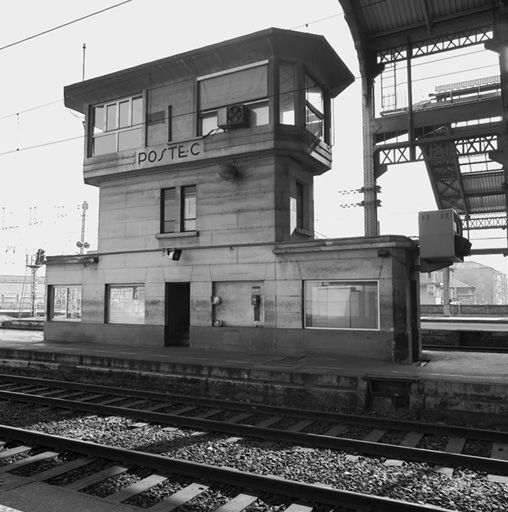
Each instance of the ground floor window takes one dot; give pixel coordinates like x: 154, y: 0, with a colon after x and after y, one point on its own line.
x: 341, y: 304
x: 65, y: 303
x: 126, y: 304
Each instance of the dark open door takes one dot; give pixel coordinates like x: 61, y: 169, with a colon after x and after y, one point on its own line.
x: 177, y: 323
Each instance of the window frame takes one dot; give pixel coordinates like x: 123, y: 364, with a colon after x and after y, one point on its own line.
x: 50, y: 313
x: 117, y: 130
x: 301, y: 205
x: 201, y: 113
x: 107, y: 302
x: 325, y: 115
x: 179, y: 209
x: 342, y: 281
x: 294, y: 92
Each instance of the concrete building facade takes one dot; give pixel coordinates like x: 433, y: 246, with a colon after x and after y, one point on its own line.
x: 205, y: 163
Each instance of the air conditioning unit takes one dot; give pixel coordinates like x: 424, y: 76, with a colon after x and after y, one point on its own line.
x: 233, y: 116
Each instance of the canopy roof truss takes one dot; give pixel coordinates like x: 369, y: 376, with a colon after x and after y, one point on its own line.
x: 460, y: 132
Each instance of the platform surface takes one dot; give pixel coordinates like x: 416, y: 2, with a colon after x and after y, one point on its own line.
x: 441, y: 365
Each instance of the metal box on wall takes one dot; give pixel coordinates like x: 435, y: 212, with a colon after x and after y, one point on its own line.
x: 441, y: 239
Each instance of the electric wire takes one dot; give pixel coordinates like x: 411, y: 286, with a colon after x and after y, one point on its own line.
x: 36, y: 107
x: 292, y: 28
x: 188, y: 113
x: 63, y: 25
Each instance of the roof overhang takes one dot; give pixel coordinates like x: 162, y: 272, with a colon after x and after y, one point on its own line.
x: 319, y: 57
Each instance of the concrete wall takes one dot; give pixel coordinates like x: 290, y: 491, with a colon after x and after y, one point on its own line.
x: 247, y: 209
x: 279, y: 270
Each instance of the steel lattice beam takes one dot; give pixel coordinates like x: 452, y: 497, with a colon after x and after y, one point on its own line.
x: 495, y: 222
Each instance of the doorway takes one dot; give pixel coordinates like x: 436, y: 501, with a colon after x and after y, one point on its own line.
x: 177, y: 316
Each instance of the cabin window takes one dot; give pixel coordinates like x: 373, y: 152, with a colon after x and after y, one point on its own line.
x: 126, y: 304
x: 179, y: 209
x: 65, y: 303
x: 246, y: 86
x: 314, y: 108
x: 287, y: 89
x: 341, y: 305
x: 117, y: 126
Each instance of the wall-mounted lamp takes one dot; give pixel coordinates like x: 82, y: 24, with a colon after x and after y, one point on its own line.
x: 228, y: 172
x: 215, y: 300
x: 174, y: 254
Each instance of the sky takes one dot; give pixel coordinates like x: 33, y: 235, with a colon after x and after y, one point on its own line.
x: 42, y: 188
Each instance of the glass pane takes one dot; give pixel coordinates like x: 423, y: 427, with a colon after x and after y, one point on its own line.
x: 129, y: 139
x: 299, y: 205
x: 127, y: 304
x: 111, y: 121
x: 169, y: 202
x: 74, y: 303
x: 258, y: 114
x: 287, y: 94
x: 66, y: 303
x: 238, y: 87
x: 99, y: 121
x: 313, y: 94
x: 104, y: 144
x: 124, y: 114
x: 137, y: 111
x: 341, y: 305
x: 59, y: 303
x: 209, y: 123
x: 189, y: 225
x: 313, y: 123
x: 364, y: 307
x: 189, y: 208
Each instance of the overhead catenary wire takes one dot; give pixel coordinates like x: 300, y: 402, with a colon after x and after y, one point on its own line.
x: 291, y: 28
x: 43, y: 105
x: 71, y: 22
x: 188, y: 113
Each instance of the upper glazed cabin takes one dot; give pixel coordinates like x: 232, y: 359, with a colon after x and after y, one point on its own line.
x: 205, y: 163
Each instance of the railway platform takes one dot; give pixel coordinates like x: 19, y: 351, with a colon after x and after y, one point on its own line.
x: 468, y: 385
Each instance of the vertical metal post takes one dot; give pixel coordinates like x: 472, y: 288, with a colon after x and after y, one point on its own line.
x: 369, y: 176
x: 412, y: 147
x: 84, y: 56
x: 446, y: 291
x: 33, y: 295
x: 84, y: 208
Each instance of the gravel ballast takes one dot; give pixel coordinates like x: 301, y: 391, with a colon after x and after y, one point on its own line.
x: 463, y: 491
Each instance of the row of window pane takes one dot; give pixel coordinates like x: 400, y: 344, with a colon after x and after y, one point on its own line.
x: 111, y: 121
x: 328, y: 304
x: 118, y: 114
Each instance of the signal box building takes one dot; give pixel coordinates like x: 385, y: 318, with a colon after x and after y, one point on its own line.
x: 205, y: 163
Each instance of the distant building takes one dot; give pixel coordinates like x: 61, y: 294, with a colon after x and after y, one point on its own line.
x: 15, y: 293
x: 431, y: 289
x: 491, y: 286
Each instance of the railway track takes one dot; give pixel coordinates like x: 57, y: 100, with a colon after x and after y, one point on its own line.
x: 407, y: 440
x: 499, y: 349
x: 47, y: 457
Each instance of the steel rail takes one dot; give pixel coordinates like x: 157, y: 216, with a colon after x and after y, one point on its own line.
x: 333, y: 417
x: 465, y: 348
x: 230, y: 476
x: 391, y: 451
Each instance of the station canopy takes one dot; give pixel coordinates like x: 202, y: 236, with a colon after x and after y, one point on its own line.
x: 458, y: 130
